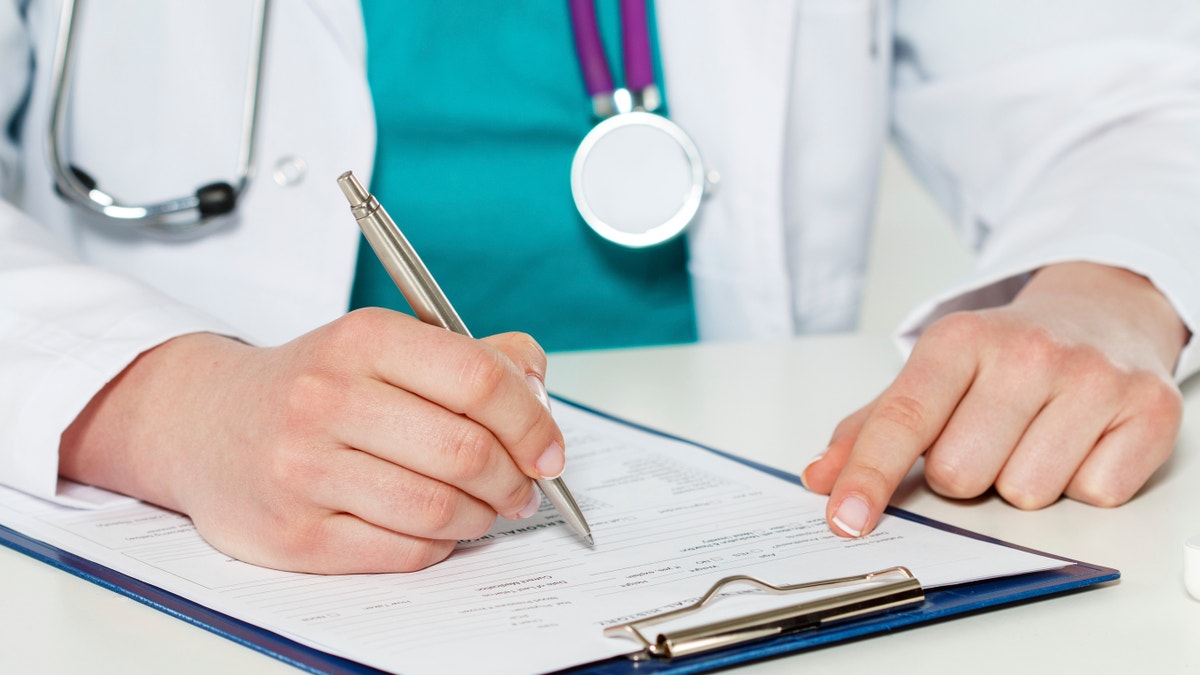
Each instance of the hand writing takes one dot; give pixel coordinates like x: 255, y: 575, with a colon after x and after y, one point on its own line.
x: 371, y: 444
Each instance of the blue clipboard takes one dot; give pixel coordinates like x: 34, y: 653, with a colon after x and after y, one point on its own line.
x: 939, y: 603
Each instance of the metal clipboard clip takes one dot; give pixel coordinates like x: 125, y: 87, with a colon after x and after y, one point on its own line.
x: 885, y: 590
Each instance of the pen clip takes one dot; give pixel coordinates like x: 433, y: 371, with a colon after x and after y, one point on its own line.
x: 899, y: 588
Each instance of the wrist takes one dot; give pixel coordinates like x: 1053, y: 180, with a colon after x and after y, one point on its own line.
x: 130, y: 436
x: 1117, y: 293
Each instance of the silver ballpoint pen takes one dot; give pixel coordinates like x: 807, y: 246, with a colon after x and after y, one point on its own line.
x: 432, y: 307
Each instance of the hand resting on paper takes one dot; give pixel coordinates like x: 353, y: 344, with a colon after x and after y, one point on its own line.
x: 371, y: 444
x: 1067, y: 390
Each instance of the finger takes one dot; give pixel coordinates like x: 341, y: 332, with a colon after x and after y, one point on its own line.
x: 822, y: 470
x: 394, y: 498
x: 409, y: 431
x: 530, y: 358
x: 523, y: 351
x: 341, y: 543
x: 905, y: 420
x: 985, y: 428
x: 1053, y: 448
x: 472, y: 378
x: 1134, y: 447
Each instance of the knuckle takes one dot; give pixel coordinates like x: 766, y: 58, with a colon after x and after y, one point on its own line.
x: 483, y: 374
x: 1034, y: 354
x: 1117, y: 478
x: 1092, y: 365
x: 367, y: 319
x: 1094, y: 372
x: 301, y: 541
x: 1022, y: 495
x: 286, y: 463
x: 1036, y: 345
x: 863, y: 474
x: 288, y: 468
x: 533, y: 351
x: 481, y: 527
x: 438, y: 507
x: 516, y: 498
x: 350, y: 329
x: 310, y: 393
x: 416, y: 554
x: 847, y: 428
x: 958, y: 327
x: 525, y: 349
x: 467, y: 450
x: 948, y: 478
x: 1099, y: 492
x: 905, y: 413
x: 1104, y: 388
x: 1159, y: 398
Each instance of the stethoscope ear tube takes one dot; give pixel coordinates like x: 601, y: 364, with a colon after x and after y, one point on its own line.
x: 636, y: 51
x: 189, y: 215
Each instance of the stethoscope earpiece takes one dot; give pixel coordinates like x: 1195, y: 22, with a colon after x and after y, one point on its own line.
x: 216, y: 199
x: 85, y: 179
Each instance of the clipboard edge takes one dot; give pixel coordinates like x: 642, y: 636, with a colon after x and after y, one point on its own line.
x: 1077, y: 576
x: 312, y: 660
x: 243, y: 633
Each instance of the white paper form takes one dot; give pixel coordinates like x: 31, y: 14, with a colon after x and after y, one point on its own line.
x: 669, y: 519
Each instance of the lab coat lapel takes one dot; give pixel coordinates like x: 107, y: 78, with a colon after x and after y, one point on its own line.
x: 728, y: 67
x: 343, y: 18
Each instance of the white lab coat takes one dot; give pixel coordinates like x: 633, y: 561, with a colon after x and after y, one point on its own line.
x: 1051, y: 129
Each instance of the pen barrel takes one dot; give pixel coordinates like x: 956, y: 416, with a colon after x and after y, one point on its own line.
x: 431, y: 305
x: 400, y: 260
x: 564, y: 502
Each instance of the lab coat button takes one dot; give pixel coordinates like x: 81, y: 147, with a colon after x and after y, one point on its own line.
x: 289, y: 171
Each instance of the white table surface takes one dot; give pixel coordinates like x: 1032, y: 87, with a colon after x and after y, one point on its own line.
x: 775, y: 403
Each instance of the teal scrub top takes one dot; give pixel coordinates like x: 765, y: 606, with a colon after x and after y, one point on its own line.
x: 480, y: 105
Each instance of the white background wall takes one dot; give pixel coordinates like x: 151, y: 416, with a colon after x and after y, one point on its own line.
x: 914, y: 251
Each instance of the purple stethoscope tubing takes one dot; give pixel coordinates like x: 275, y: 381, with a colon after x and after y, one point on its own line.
x: 635, y: 44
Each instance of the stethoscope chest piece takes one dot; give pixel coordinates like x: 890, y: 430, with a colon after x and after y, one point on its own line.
x: 637, y: 179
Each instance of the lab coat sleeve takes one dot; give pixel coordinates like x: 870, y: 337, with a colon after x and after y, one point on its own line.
x: 1056, y: 131
x: 66, y: 328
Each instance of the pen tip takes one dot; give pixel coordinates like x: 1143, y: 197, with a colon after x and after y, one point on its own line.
x: 590, y: 540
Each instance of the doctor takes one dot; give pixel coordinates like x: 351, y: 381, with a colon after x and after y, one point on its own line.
x: 218, y: 374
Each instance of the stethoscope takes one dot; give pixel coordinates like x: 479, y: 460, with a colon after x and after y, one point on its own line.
x: 181, y: 216
x: 637, y: 177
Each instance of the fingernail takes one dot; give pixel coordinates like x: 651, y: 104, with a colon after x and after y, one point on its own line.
x: 535, y: 502
x: 814, y: 460
x: 539, y: 389
x: 552, y: 461
x: 851, y: 515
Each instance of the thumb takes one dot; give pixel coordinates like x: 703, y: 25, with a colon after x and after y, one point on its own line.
x: 822, y: 471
